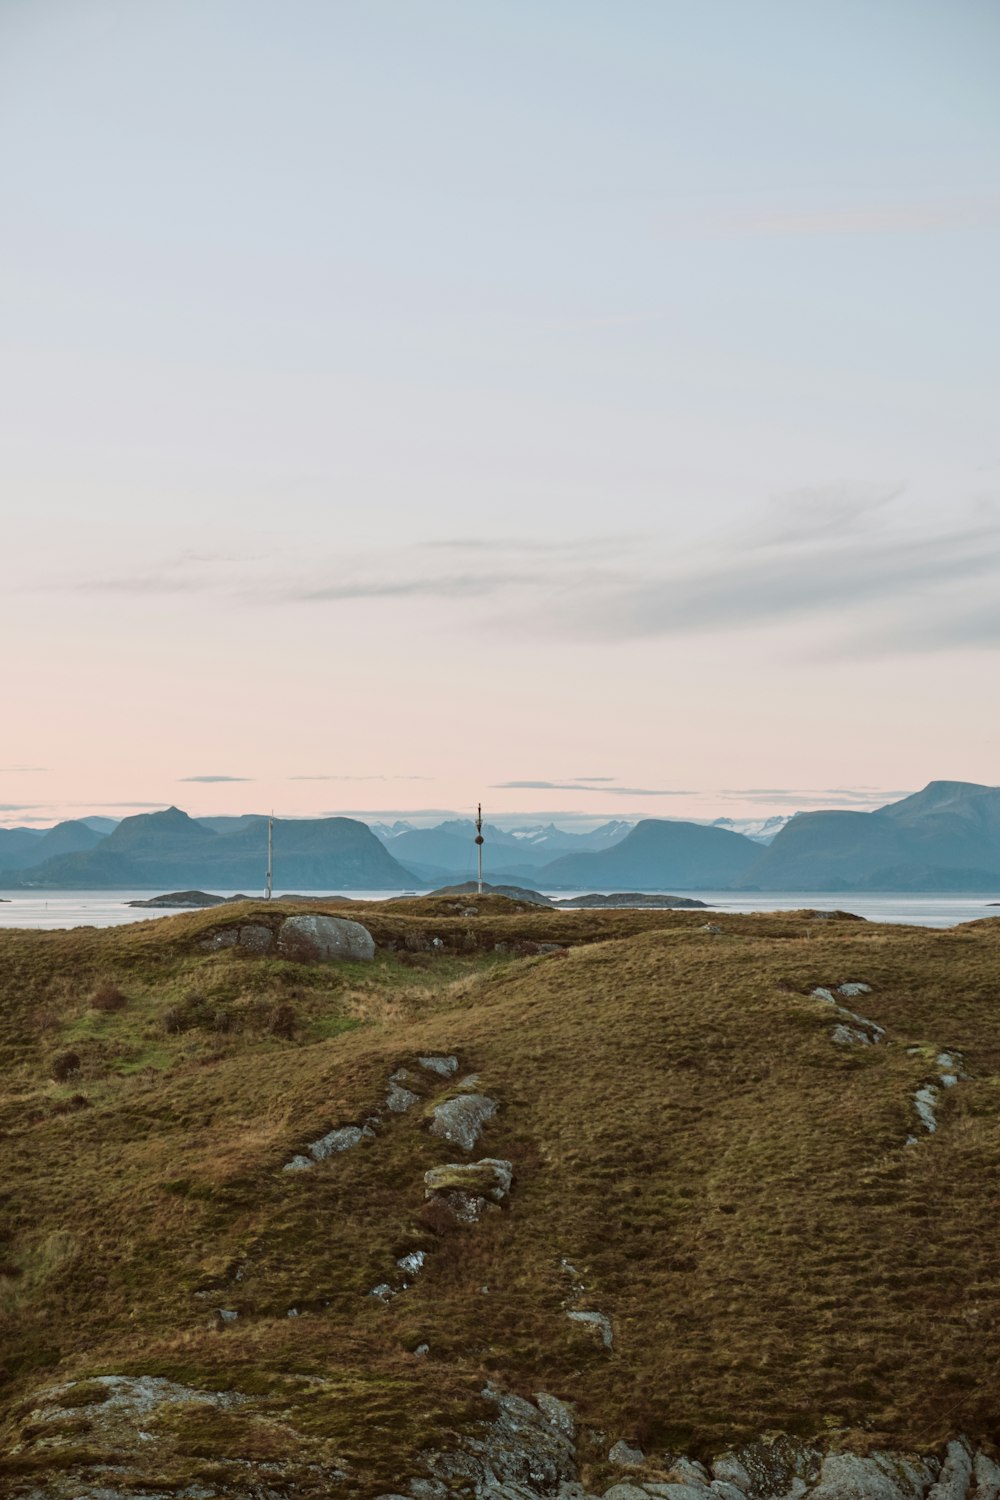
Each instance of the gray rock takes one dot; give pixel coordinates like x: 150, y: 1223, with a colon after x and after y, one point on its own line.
x: 228, y: 1314
x: 398, y: 1099
x: 598, y: 1321
x: 725, y: 1491
x: 679, y: 1491
x: 987, y: 1476
x: 559, y: 1414
x: 728, y: 1469
x: 850, y: 990
x: 444, y: 1067
x: 227, y: 938
x: 625, y: 1491
x: 343, y: 1139
x: 625, y: 1456
x: 411, y: 1265
x: 384, y: 1292
x: 822, y: 994
x: 689, y: 1471
x: 849, y: 1036
x: 925, y: 1100
x: 256, y: 938
x: 956, y: 1473
x: 460, y: 1121
x: 489, y: 1177
x: 298, y: 1164
x: 880, y: 1476
x: 311, y: 938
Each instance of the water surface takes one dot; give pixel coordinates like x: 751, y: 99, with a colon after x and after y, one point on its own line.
x: 55, y: 909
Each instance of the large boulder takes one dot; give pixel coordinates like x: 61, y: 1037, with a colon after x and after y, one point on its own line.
x: 310, y: 938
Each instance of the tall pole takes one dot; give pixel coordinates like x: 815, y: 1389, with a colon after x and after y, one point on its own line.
x: 479, y: 845
x: 270, y: 853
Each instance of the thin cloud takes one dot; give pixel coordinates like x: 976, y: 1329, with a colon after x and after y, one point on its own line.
x: 337, y: 777
x: 577, y: 786
x: 860, y: 799
x: 19, y: 770
x: 780, y: 584
x: 215, y: 778
x: 440, y: 586
x: 564, y: 547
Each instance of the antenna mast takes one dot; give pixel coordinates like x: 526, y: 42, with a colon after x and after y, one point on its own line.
x: 270, y: 852
x: 479, y: 845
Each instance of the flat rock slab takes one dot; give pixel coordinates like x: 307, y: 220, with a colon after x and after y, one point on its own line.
x: 489, y: 1178
x: 460, y: 1121
x: 312, y: 938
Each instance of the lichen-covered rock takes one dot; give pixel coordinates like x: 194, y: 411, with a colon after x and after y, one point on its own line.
x: 853, y: 989
x: 488, y: 1178
x: 625, y: 1491
x: 769, y: 1468
x: 880, y: 1476
x: 227, y: 938
x: 559, y: 1414
x: 460, y: 1121
x: 520, y: 1452
x: 312, y: 938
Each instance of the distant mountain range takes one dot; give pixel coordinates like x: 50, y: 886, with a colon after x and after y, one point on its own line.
x: 155, y: 851
x: 945, y: 838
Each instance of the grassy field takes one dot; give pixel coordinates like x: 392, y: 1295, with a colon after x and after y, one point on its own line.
x: 693, y: 1156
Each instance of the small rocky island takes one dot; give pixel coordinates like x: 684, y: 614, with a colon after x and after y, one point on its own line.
x: 653, y: 900
x: 185, y: 900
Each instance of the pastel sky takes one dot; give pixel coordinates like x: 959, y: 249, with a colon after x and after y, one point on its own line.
x: 591, y: 408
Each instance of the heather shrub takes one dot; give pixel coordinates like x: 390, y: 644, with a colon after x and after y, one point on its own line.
x: 108, y: 997
x: 64, y: 1066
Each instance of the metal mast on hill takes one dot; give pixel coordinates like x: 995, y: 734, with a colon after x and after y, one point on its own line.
x: 270, y: 853
x: 479, y: 845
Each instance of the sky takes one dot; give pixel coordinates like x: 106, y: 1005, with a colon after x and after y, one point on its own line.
x: 406, y: 402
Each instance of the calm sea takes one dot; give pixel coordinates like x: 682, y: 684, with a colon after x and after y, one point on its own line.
x: 53, y: 909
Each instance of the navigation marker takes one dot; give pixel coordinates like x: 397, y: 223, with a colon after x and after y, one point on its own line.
x: 479, y: 844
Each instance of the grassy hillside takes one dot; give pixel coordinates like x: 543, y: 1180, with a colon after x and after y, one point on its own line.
x: 694, y: 1157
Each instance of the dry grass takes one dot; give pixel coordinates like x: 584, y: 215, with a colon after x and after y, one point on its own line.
x: 731, y: 1188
